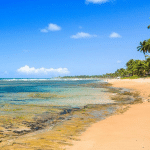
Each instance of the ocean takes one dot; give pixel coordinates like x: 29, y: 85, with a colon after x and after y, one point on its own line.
x: 62, y: 92
x: 47, y: 106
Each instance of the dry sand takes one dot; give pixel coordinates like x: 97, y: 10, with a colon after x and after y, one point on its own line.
x: 128, y: 131
x: 140, y: 85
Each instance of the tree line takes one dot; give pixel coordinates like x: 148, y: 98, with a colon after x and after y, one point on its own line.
x: 134, y: 68
x: 139, y: 68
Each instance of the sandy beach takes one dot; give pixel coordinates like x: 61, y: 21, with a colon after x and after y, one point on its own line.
x: 127, y: 131
x: 140, y: 85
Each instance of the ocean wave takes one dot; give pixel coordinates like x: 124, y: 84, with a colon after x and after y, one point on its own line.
x: 53, y: 79
x: 24, y: 79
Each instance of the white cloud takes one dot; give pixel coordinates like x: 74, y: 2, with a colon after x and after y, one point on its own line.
x: 118, y: 62
x: 44, y: 30
x: 97, y: 1
x: 27, y: 70
x: 114, y: 35
x: 51, y: 27
x: 82, y: 35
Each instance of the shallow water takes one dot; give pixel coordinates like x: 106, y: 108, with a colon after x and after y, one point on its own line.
x: 67, y: 92
x: 28, y: 105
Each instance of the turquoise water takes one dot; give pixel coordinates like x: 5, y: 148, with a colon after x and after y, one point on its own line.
x: 16, y: 91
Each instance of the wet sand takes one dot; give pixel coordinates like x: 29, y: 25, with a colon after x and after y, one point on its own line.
x: 127, y: 131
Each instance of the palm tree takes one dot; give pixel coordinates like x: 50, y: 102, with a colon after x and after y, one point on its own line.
x: 147, y: 65
x: 144, y: 46
x: 140, y: 67
x: 131, y: 66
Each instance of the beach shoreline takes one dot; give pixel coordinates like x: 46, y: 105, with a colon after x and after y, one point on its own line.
x: 80, y: 124
x: 127, y: 131
x: 140, y: 85
x: 44, y: 123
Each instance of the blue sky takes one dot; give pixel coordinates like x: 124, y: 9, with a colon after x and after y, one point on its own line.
x: 46, y: 38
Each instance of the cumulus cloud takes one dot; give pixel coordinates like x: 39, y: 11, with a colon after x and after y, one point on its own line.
x: 31, y: 70
x: 97, y: 1
x: 82, y: 35
x: 51, y: 27
x: 114, y: 35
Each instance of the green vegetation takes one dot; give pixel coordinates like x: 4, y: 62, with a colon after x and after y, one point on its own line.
x: 145, y: 45
x: 134, y: 68
x: 132, y: 77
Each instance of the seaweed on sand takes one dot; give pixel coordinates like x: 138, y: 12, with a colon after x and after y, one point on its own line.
x: 45, y: 95
x: 68, y: 123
